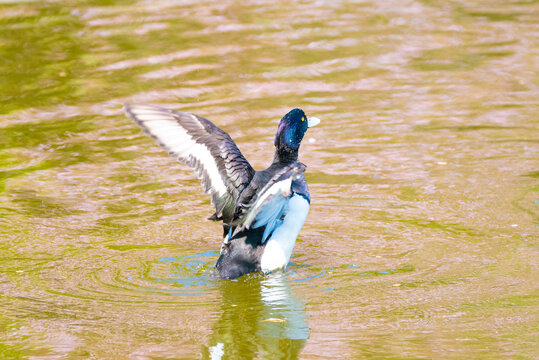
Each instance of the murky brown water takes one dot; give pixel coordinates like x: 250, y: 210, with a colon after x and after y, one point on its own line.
x: 422, y: 240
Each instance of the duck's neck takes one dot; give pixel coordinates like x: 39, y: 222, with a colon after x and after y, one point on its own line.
x: 285, y: 155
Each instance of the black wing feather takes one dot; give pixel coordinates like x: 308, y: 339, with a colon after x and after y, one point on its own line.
x: 189, y: 138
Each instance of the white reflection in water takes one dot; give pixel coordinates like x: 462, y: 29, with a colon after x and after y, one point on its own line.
x: 282, y: 305
x: 260, y: 318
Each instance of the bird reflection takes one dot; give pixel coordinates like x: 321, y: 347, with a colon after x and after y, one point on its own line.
x: 260, y: 319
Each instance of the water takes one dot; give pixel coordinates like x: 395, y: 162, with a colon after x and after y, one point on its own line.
x: 422, y: 236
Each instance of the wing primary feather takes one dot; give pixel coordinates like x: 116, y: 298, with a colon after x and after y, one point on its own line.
x: 199, y: 143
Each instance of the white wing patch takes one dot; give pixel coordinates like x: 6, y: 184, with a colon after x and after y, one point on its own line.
x: 169, y: 133
x: 281, y: 188
x: 270, y: 206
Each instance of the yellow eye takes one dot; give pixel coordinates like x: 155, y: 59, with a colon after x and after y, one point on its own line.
x: 303, y: 118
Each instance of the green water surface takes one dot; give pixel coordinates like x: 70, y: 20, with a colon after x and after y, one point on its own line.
x: 422, y: 238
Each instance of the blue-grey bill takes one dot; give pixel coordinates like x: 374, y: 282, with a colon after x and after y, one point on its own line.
x: 312, y: 121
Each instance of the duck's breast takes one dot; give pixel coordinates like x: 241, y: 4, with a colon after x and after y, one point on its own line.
x: 280, y: 244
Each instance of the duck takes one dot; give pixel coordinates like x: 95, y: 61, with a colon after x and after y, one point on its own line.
x: 262, y: 212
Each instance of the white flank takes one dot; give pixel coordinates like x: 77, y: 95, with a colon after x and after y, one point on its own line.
x: 165, y: 127
x: 279, y: 247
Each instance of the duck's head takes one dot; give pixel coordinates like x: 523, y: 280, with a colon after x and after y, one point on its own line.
x: 292, y: 128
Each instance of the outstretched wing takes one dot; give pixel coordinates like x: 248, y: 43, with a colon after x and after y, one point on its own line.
x: 268, y: 208
x: 199, y: 143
